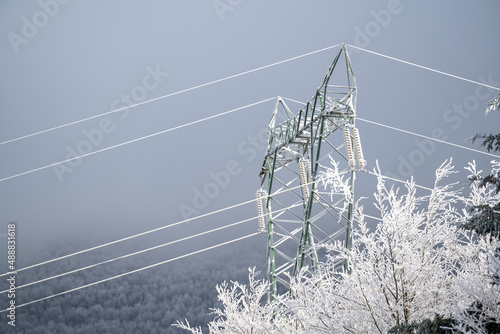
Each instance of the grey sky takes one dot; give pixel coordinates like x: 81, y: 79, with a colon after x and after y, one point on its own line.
x: 88, y: 55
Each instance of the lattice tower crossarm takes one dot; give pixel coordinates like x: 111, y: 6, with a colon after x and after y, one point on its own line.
x: 307, y: 218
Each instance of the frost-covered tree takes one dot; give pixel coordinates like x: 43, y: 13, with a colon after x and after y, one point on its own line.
x: 244, y: 311
x: 479, y: 272
x: 400, y: 272
x: 415, y: 263
x: 493, y: 104
x: 478, y: 311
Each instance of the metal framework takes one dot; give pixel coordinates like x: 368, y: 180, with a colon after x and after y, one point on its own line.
x: 307, y: 218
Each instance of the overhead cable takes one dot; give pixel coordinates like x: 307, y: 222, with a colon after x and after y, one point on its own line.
x: 173, y: 94
x: 426, y: 68
x: 133, y: 271
x: 135, y: 140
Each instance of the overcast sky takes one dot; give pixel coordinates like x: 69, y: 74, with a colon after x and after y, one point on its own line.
x: 62, y: 61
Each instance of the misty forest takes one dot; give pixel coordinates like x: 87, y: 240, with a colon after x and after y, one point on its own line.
x: 146, y: 302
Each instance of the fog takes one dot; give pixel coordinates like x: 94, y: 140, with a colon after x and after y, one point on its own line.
x: 64, y: 61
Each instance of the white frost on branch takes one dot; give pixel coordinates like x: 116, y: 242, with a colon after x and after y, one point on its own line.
x: 415, y: 263
x: 331, y: 179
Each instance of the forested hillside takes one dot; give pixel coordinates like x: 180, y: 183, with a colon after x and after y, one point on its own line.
x: 145, y: 302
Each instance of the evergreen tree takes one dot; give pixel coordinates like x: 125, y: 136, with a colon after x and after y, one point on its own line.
x: 486, y: 218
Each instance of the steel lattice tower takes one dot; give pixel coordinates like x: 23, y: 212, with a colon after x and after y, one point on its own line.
x: 300, y: 221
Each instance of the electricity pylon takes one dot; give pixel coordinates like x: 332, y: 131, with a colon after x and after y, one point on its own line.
x: 300, y: 221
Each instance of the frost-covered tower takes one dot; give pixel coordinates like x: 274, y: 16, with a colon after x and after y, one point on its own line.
x: 301, y: 220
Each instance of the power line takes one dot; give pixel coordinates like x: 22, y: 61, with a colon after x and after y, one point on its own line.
x: 425, y: 68
x: 129, y: 255
x: 397, y: 180
x: 134, y: 271
x: 146, y: 250
x: 373, y: 217
x: 412, y: 133
x: 153, y: 265
x: 129, y: 237
x: 156, y: 264
x: 173, y: 94
x: 171, y: 242
x: 146, y: 232
x: 136, y: 140
x: 216, y: 81
x: 166, y: 244
x: 235, y: 76
x: 427, y: 137
x: 408, y: 132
